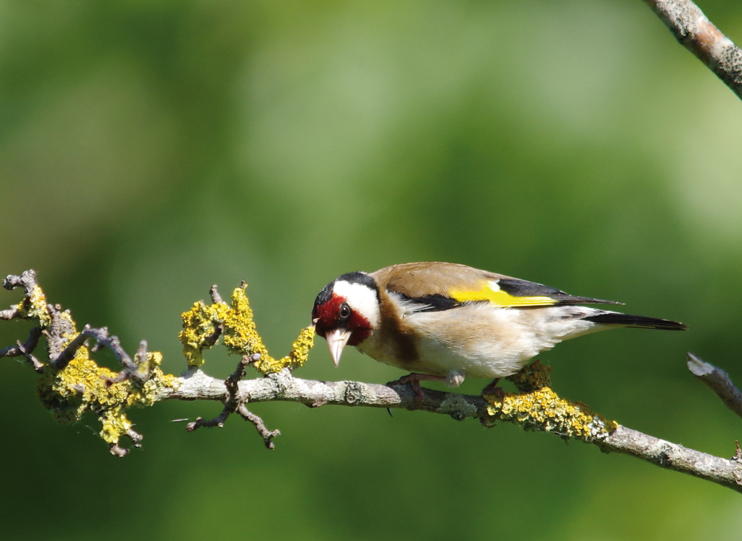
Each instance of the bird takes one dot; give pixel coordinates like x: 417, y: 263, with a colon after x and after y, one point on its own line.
x: 448, y: 321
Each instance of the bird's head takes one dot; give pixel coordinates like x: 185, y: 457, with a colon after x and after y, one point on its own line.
x: 347, y: 311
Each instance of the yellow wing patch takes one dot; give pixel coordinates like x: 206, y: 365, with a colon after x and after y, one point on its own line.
x: 491, y: 292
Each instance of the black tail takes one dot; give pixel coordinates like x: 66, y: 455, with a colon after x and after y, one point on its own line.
x: 640, y: 322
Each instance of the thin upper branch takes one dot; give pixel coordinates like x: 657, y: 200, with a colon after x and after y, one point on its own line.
x: 718, y: 381
x: 283, y: 386
x: 699, y: 35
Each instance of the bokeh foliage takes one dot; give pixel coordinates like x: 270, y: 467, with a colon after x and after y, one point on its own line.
x: 151, y: 149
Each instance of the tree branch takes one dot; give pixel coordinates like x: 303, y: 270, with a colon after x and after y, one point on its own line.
x: 718, y: 381
x: 699, y: 35
x: 71, y: 383
x: 282, y: 386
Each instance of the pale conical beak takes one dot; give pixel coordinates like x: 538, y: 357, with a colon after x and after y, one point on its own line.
x: 336, y: 341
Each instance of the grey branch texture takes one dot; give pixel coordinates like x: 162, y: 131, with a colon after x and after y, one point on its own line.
x: 699, y: 35
x: 284, y: 387
x: 72, y: 379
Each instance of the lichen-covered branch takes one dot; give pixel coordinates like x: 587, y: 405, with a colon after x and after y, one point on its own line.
x: 607, y: 435
x: 203, y: 325
x: 71, y: 384
x: 699, y: 35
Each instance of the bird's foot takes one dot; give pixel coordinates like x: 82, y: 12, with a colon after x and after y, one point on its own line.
x: 493, y: 389
x: 414, y: 380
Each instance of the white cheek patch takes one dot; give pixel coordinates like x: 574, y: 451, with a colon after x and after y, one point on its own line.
x: 361, y: 299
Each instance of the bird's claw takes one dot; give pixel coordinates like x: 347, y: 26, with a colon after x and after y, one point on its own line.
x: 413, y: 380
x: 493, y: 389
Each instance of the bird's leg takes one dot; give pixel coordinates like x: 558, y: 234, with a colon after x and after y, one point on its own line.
x: 492, y: 388
x: 414, y: 380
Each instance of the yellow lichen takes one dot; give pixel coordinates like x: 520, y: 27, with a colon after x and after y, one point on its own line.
x: 114, y: 424
x: 199, y: 323
x: 537, y: 407
x: 534, y: 376
x: 81, y: 386
x: 239, y: 333
x: 297, y: 357
x: 156, y: 383
x: 33, y: 306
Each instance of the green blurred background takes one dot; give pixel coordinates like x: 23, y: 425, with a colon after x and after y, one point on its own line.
x: 149, y: 149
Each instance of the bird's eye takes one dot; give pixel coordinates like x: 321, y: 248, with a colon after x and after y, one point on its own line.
x: 344, y: 311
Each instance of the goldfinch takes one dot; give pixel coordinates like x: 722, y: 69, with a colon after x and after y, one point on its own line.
x: 448, y: 322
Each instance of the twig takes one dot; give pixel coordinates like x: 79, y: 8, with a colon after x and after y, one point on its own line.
x: 140, y: 358
x: 232, y: 401
x: 214, y: 293
x: 213, y: 337
x: 266, y: 434
x: 135, y: 437
x: 235, y: 402
x: 69, y: 352
x: 26, y: 280
x: 111, y: 342
x: 116, y: 450
x: 136, y: 440
x: 209, y: 423
x: 26, y: 349
x: 9, y: 313
x: 699, y: 35
x: 33, y: 361
x: 59, y: 327
x: 103, y: 339
x: 718, y: 381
